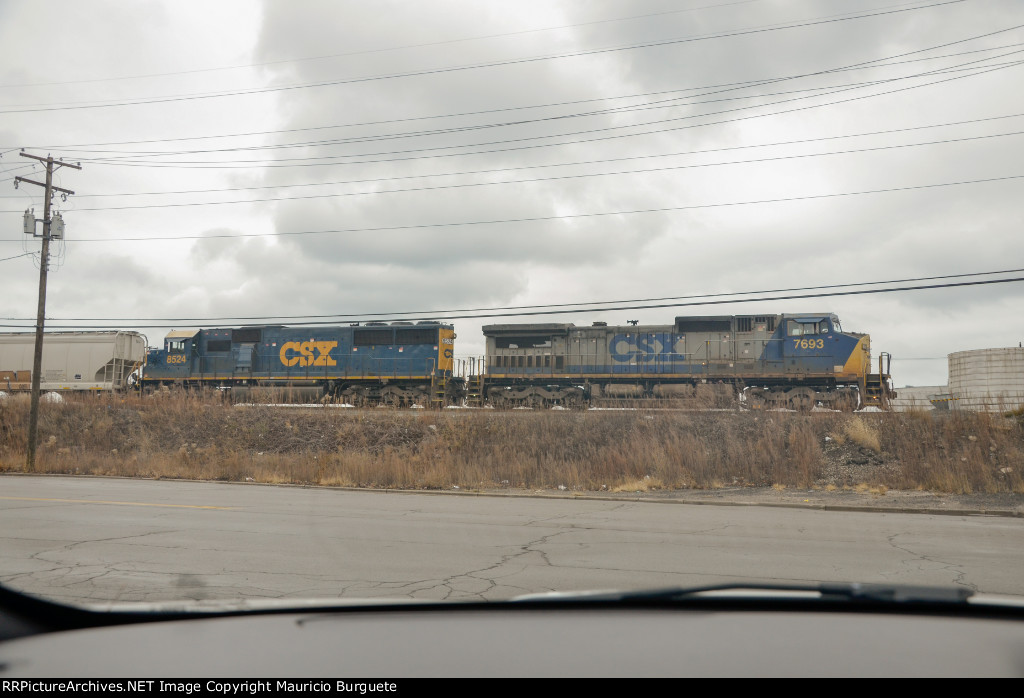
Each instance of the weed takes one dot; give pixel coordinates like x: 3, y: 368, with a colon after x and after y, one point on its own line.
x: 198, y: 435
x: 863, y: 434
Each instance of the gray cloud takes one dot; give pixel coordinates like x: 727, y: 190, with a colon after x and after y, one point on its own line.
x: 712, y: 249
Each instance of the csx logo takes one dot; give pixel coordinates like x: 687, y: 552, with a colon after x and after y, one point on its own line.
x: 644, y: 347
x: 311, y: 353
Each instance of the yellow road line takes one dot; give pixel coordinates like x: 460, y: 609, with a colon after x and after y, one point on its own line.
x: 131, y: 504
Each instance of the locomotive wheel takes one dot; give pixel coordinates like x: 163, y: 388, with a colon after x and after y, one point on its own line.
x: 355, y: 397
x: 574, y: 401
x: 756, y: 399
x: 801, y: 399
x: 497, y: 399
x: 846, y: 401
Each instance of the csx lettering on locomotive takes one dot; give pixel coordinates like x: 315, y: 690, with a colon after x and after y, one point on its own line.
x: 644, y: 346
x: 311, y: 353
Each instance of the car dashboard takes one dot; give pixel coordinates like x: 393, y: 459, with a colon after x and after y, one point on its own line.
x: 591, y: 635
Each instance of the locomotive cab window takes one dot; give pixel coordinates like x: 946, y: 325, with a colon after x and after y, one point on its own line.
x: 176, y: 346
x: 796, y: 328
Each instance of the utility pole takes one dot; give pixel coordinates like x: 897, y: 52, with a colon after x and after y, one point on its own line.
x: 44, y: 262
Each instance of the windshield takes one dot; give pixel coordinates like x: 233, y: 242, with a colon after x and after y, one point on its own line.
x: 469, y: 300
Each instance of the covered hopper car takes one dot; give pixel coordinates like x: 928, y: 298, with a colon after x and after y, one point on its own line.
x: 795, y: 361
x: 105, y: 360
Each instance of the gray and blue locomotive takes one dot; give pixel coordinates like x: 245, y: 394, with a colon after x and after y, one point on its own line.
x: 794, y: 361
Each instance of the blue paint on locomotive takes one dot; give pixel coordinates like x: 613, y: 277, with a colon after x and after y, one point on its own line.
x: 809, y: 345
x: 297, y: 353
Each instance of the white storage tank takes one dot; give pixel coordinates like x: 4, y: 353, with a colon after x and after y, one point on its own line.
x: 987, y: 379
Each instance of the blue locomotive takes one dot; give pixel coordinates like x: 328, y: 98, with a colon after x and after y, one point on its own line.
x: 795, y: 361
x: 377, y: 363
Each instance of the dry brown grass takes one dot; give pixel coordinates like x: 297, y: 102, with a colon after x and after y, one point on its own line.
x: 863, y: 434
x: 645, y: 484
x: 201, y: 437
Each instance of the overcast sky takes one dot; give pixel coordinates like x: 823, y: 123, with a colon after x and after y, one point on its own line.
x: 244, y: 159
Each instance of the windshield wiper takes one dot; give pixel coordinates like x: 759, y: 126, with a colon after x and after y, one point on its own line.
x: 825, y: 592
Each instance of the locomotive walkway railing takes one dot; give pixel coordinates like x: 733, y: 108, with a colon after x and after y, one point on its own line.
x: 369, y: 367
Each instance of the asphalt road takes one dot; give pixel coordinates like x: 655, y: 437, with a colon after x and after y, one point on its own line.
x: 106, y: 539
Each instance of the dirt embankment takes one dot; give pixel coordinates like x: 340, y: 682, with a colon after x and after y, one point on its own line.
x: 561, y: 451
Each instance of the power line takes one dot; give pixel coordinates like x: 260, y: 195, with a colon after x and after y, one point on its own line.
x: 539, y: 179
x: 550, y: 165
x: 581, y: 306
x: 118, y: 156
x: 420, y: 153
x: 826, y: 294
x: 667, y: 103
x: 535, y: 219
x: 382, y: 50
x: 452, y: 69
x: 17, y: 256
x: 865, y: 63
x: 82, y: 147
x: 112, y: 157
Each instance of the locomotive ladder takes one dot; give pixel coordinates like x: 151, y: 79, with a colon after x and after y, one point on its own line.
x: 439, y: 385
x: 475, y: 389
x: 876, y: 385
x: 469, y: 373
